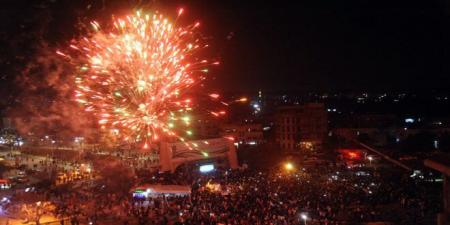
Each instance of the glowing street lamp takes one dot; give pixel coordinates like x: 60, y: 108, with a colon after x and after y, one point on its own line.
x: 289, y: 166
x: 304, y: 217
x: 370, y: 158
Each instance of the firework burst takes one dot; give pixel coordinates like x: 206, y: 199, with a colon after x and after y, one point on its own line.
x: 135, y: 76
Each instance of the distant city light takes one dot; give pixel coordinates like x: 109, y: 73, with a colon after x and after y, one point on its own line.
x: 257, y: 107
x: 243, y: 99
x: 80, y: 139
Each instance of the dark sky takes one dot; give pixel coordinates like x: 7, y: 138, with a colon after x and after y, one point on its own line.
x: 271, y: 45
x: 326, y: 45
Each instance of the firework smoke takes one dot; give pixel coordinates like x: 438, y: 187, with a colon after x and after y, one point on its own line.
x: 45, y: 105
x: 135, y: 77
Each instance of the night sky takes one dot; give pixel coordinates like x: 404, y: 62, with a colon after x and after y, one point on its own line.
x: 268, y: 45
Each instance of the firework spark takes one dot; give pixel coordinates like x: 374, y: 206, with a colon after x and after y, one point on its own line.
x: 134, y: 77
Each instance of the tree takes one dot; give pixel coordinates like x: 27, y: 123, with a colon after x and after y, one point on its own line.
x: 35, y: 211
x: 30, y: 206
x: 117, y: 178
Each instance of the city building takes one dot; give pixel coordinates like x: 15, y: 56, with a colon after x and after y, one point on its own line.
x: 246, y: 133
x: 302, y: 126
x: 205, y: 128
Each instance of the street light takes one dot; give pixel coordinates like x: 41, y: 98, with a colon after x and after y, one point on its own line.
x: 289, y: 166
x: 304, y: 217
x: 370, y: 158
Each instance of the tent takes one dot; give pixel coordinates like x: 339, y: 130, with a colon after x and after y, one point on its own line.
x: 155, y: 190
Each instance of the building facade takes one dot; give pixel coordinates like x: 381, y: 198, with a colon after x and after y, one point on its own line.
x: 247, y: 133
x: 303, y: 126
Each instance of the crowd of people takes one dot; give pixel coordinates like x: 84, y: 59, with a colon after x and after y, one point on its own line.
x: 327, y: 195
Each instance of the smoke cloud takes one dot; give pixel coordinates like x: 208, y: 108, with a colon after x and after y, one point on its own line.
x: 45, y: 104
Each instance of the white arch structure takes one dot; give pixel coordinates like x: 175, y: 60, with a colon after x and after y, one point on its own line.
x: 172, y: 155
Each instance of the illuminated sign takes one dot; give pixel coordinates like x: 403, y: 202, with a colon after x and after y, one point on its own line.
x: 206, y: 168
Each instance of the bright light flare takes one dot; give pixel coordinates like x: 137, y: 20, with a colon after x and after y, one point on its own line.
x: 230, y: 138
x: 243, y: 99
x: 180, y: 11
x: 133, y: 77
x: 289, y: 166
x: 304, y: 216
x: 214, y: 95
